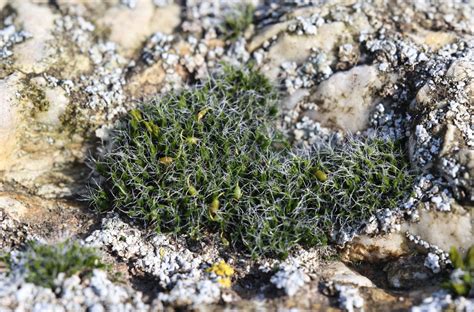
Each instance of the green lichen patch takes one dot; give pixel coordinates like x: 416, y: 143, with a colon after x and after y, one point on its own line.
x: 208, y: 159
x: 42, y: 263
x: 37, y: 97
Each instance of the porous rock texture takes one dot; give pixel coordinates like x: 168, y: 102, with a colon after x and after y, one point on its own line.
x: 393, y: 69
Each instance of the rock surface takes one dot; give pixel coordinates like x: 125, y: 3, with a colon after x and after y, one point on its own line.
x: 346, y: 99
x: 130, y: 34
x: 395, y: 70
x: 36, y: 54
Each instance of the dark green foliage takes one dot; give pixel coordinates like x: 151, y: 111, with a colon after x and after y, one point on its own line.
x: 42, y: 263
x: 237, y: 22
x: 208, y: 159
x: 462, y: 285
x: 362, y: 177
x: 5, y: 259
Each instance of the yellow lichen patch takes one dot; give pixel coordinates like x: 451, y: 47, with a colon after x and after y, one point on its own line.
x: 221, y: 268
x: 224, y: 271
x: 225, y: 282
x: 162, y: 252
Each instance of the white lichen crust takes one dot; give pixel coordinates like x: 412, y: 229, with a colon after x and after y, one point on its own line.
x: 95, y: 293
x: 179, y: 271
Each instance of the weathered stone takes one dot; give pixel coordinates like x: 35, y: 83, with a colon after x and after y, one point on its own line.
x: 462, y: 70
x: 445, y: 230
x: 376, y: 249
x: 434, y: 39
x: 346, y: 99
x: 443, y: 137
x: 327, y: 38
x: 407, y: 273
x: 338, y: 272
x: 146, y: 82
x: 8, y: 118
x: 37, y: 153
x: 129, y: 28
x: 290, y: 47
x: 36, y: 54
x: 43, y: 217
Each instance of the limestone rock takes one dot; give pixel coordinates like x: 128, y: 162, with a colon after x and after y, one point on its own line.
x: 291, y: 47
x: 35, y: 215
x: 376, y: 249
x: 445, y: 230
x: 338, y: 272
x: 146, y: 82
x: 443, y: 137
x: 441, y: 229
x: 8, y: 118
x: 36, y: 54
x: 434, y: 39
x: 36, y: 151
x: 283, y: 50
x: 462, y: 70
x: 346, y: 99
x: 407, y: 273
x: 130, y: 27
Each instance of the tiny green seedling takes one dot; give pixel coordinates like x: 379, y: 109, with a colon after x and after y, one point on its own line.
x: 461, y: 282
x: 43, y: 263
x: 238, y: 21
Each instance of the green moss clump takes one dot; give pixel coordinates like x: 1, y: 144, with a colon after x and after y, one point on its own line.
x: 209, y: 160
x: 461, y: 282
x: 361, y: 177
x: 42, y: 263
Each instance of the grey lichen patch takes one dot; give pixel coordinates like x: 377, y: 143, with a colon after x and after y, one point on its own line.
x: 10, y: 35
x: 180, y: 273
x: 12, y: 232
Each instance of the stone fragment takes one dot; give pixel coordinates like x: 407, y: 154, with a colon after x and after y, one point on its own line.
x: 129, y: 28
x: 339, y: 273
x: 8, y: 119
x: 38, y: 53
x: 445, y: 230
x: 407, y: 273
x: 376, y: 249
x: 346, y: 99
